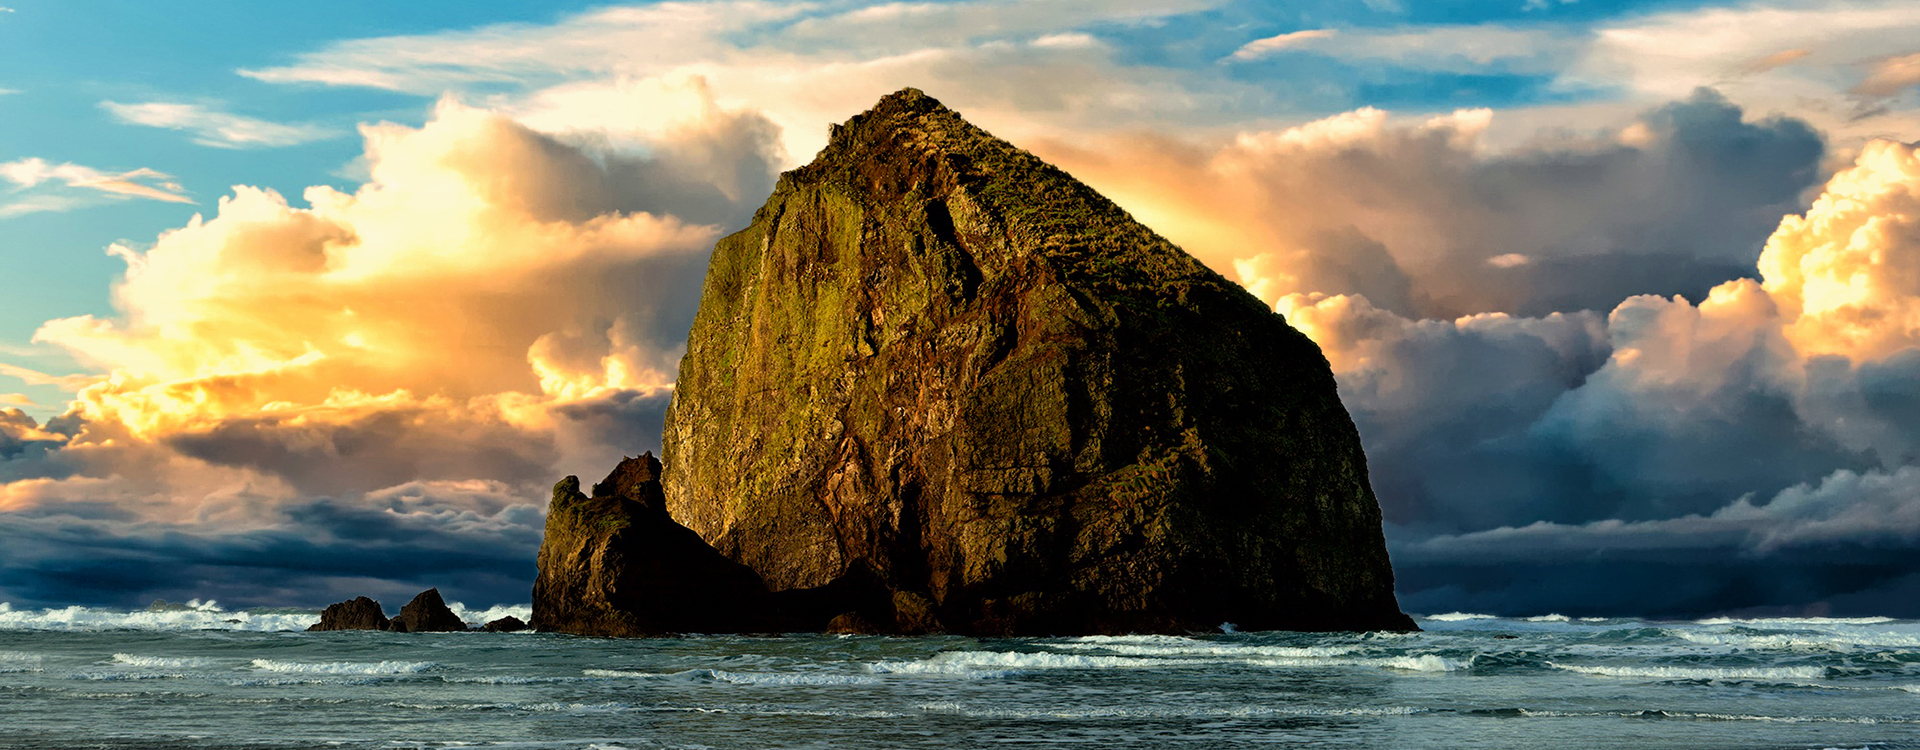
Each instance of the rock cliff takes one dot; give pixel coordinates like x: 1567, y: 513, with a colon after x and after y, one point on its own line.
x: 614, y: 564
x: 358, y: 613
x: 963, y: 391
x: 427, y: 613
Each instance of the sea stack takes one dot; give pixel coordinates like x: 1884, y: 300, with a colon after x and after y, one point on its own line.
x: 613, y: 564
x: 959, y: 390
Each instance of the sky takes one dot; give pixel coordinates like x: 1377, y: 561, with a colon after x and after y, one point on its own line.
x: 304, y: 302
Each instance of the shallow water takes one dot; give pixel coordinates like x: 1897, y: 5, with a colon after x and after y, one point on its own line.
x: 207, y: 678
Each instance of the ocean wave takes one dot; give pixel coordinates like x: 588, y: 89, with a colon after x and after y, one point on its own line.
x: 165, y: 662
x: 479, y: 617
x: 1794, y: 622
x: 1696, y: 673
x: 1006, y: 663
x: 769, y: 679
x: 208, y: 615
x: 1407, y: 663
x: 1175, y: 646
x: 198, y: 616
x: 127, y: 676
x: 1459, y: 617
x: 993, y: 664
x: 1848, y: 639
x: 1160, y: 713
x: 344, y: 667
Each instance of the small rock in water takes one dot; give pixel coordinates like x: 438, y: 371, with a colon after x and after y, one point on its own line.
x: 359, y: 613
x: 427, y: 613
x: 508, y: 624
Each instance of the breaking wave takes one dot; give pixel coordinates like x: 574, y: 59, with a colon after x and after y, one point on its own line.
x: 344, y: 667
x: 209, y: 615
x: 1696, y: 673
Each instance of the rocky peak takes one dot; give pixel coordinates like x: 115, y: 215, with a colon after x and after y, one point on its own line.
x: 937, y: 370
x: 635, y: 480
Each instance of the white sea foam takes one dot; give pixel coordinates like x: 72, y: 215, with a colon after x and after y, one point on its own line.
x: 1458, y: 616
x: 19, y: 659
x: 1409, y: 663
x: 771, y: 679
x: 1175, y: 646
x: 1004, y: 663
x: 1550, y: 618
x: 208, y: 615
x: 1696, y: 673
x: 343, y: 667
x: 164, y: 662
x: 785, y: 679
x: 200, y: 616
x: 1796, y: 622
x: 1158, y: 712
x: 478, y: 617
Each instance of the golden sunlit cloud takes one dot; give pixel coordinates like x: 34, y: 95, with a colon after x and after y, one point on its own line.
x: 1847, y: 273
x: 487, y: 290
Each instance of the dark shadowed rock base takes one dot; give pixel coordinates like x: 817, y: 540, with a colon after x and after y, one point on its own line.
x: 508, y: 624
x: 614, y: 564
x: 359, y: 613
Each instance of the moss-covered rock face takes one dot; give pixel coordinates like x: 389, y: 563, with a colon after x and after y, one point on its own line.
x: 935, y: 360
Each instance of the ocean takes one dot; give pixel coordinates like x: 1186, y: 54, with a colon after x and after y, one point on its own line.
x: 209, y: 678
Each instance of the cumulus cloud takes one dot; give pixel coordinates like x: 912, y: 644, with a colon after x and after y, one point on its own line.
x: 1426, y: 220
x: 1765, y: 430
x: 212, y: 127
x: 393, y: 371
x: 40, y: 185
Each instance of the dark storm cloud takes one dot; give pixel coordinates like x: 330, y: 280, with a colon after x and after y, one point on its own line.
x: 1845, y: 545
x: 325, y: 551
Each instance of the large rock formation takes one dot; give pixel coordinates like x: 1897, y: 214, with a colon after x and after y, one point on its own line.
x: 427, y: 613
x: 613, y: 563
x: 358, y: 613
x: 946, y: 381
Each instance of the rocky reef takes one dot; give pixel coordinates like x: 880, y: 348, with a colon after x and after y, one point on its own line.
x: 427, y: 613
x: 940, y: 385
x: 358, y: 613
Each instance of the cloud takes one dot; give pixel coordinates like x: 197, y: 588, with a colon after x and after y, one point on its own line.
x: 1744, y: 50
x: 38, y: 174
x: 35, y: 377
x: 1263, y: 47
x: 211, y: 127
x: 1015, y: 67
x: 1605, y: 455
x: 1426, y: 220
x: 1766, y: 63
x: 1891, y: 76
x: 1479, y: 49
x: 391, y: 373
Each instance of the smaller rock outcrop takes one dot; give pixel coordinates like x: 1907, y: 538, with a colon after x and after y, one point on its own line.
x: 508, y: 624
x: 614, y: 564
x: 359, y: 613
x: 427, y: 613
